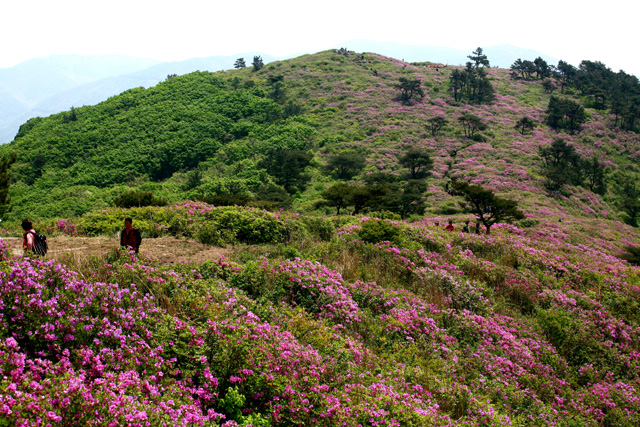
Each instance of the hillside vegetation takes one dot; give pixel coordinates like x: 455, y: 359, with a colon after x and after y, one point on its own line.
x: 222, y: 135
x: 297, y: 328
x: 378, y: 317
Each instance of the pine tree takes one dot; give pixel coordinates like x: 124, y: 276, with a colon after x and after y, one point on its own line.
x: 479, y: 58
x: 257, y: 63
x: 471, y: 124
x: 485, y: 205
x: 436, y: 124
x: 524, y: 124
x: 418, y: 162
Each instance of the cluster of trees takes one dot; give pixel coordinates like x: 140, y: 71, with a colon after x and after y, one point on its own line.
x: 471, y: 125
x: 604, y: 89
x: 562, y: 165
x: 565, y: 113
x: 472, y: 85
x: 380, y: 191
x: 257, y: 63
x: 627, y: 192
x: 530, y: 70
x: 146, y: 136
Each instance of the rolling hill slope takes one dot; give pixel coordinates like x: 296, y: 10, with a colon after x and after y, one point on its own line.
x: 311, y: 319
x: 223, y: 125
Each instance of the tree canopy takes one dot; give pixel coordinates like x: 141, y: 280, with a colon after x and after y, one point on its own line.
x: 485, y: 205
x: 418, y: 162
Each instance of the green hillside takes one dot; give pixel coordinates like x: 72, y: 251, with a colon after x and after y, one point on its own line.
x: 341, y: 299
x: 228, y: 135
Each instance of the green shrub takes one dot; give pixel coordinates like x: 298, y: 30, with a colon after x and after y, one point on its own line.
x: 632, y: 255
x: 138, y: 198
x: 374, y: 231
x: 385, y: 215
x: 226, y: 199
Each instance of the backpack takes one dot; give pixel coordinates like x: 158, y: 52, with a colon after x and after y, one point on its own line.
x: 39, y: 244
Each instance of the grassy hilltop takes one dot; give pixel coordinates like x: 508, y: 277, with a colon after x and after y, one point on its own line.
x: 315, y: 318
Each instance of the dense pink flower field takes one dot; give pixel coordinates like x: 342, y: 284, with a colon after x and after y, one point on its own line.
x: 434, y: 328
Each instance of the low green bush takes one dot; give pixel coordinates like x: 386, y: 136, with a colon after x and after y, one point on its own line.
x: 374, y: 231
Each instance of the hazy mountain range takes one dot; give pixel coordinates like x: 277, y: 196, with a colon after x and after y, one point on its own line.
x: 49, y: 85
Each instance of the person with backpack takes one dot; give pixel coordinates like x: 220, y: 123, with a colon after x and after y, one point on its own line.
x: 32, y: 240
x: 130, y: 236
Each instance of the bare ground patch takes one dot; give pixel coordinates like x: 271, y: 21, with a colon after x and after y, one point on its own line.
x: 167, y: 250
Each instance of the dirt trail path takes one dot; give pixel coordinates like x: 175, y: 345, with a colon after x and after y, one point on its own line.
x: 168, y: 250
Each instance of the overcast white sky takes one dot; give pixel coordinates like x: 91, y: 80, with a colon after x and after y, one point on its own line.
x: 570, y: 30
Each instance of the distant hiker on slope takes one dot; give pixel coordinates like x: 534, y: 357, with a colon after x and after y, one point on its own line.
x: 465, y: 228
x: 130, y: 236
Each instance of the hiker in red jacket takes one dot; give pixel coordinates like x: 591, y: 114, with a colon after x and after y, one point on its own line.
x: 28, y: 240
x: 450, y: 226
x: 130, y: 236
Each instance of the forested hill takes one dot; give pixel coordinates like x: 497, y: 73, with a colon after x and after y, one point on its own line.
x: 560, y: 140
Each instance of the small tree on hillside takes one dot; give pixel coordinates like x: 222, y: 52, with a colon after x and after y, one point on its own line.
x: 485, y: 205
x: 542, y: 68
x: 548, y: 85
x: 240, y: 63
x: 412, y: 198
x: 409, y: 88
x: 627, y: 191
x: 436, y: 124
x: 338, y: 196
x: 561, y: 164
x: 5, y: 182
x: 471, y: 124
x: 277, y: 87
x: 345, y: 165
x: 565, y: 73
x: 594, y: 173
x: 478, y: 58
x: 257, y: 63
x: 524, y: 69
x: 359, y: 198
x: 287, y: 167
x: 418, y: 162
x: 564, y: 113
x: 524, y: 124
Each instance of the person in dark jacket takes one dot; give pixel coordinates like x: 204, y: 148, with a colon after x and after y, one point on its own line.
x: 130, y: 236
